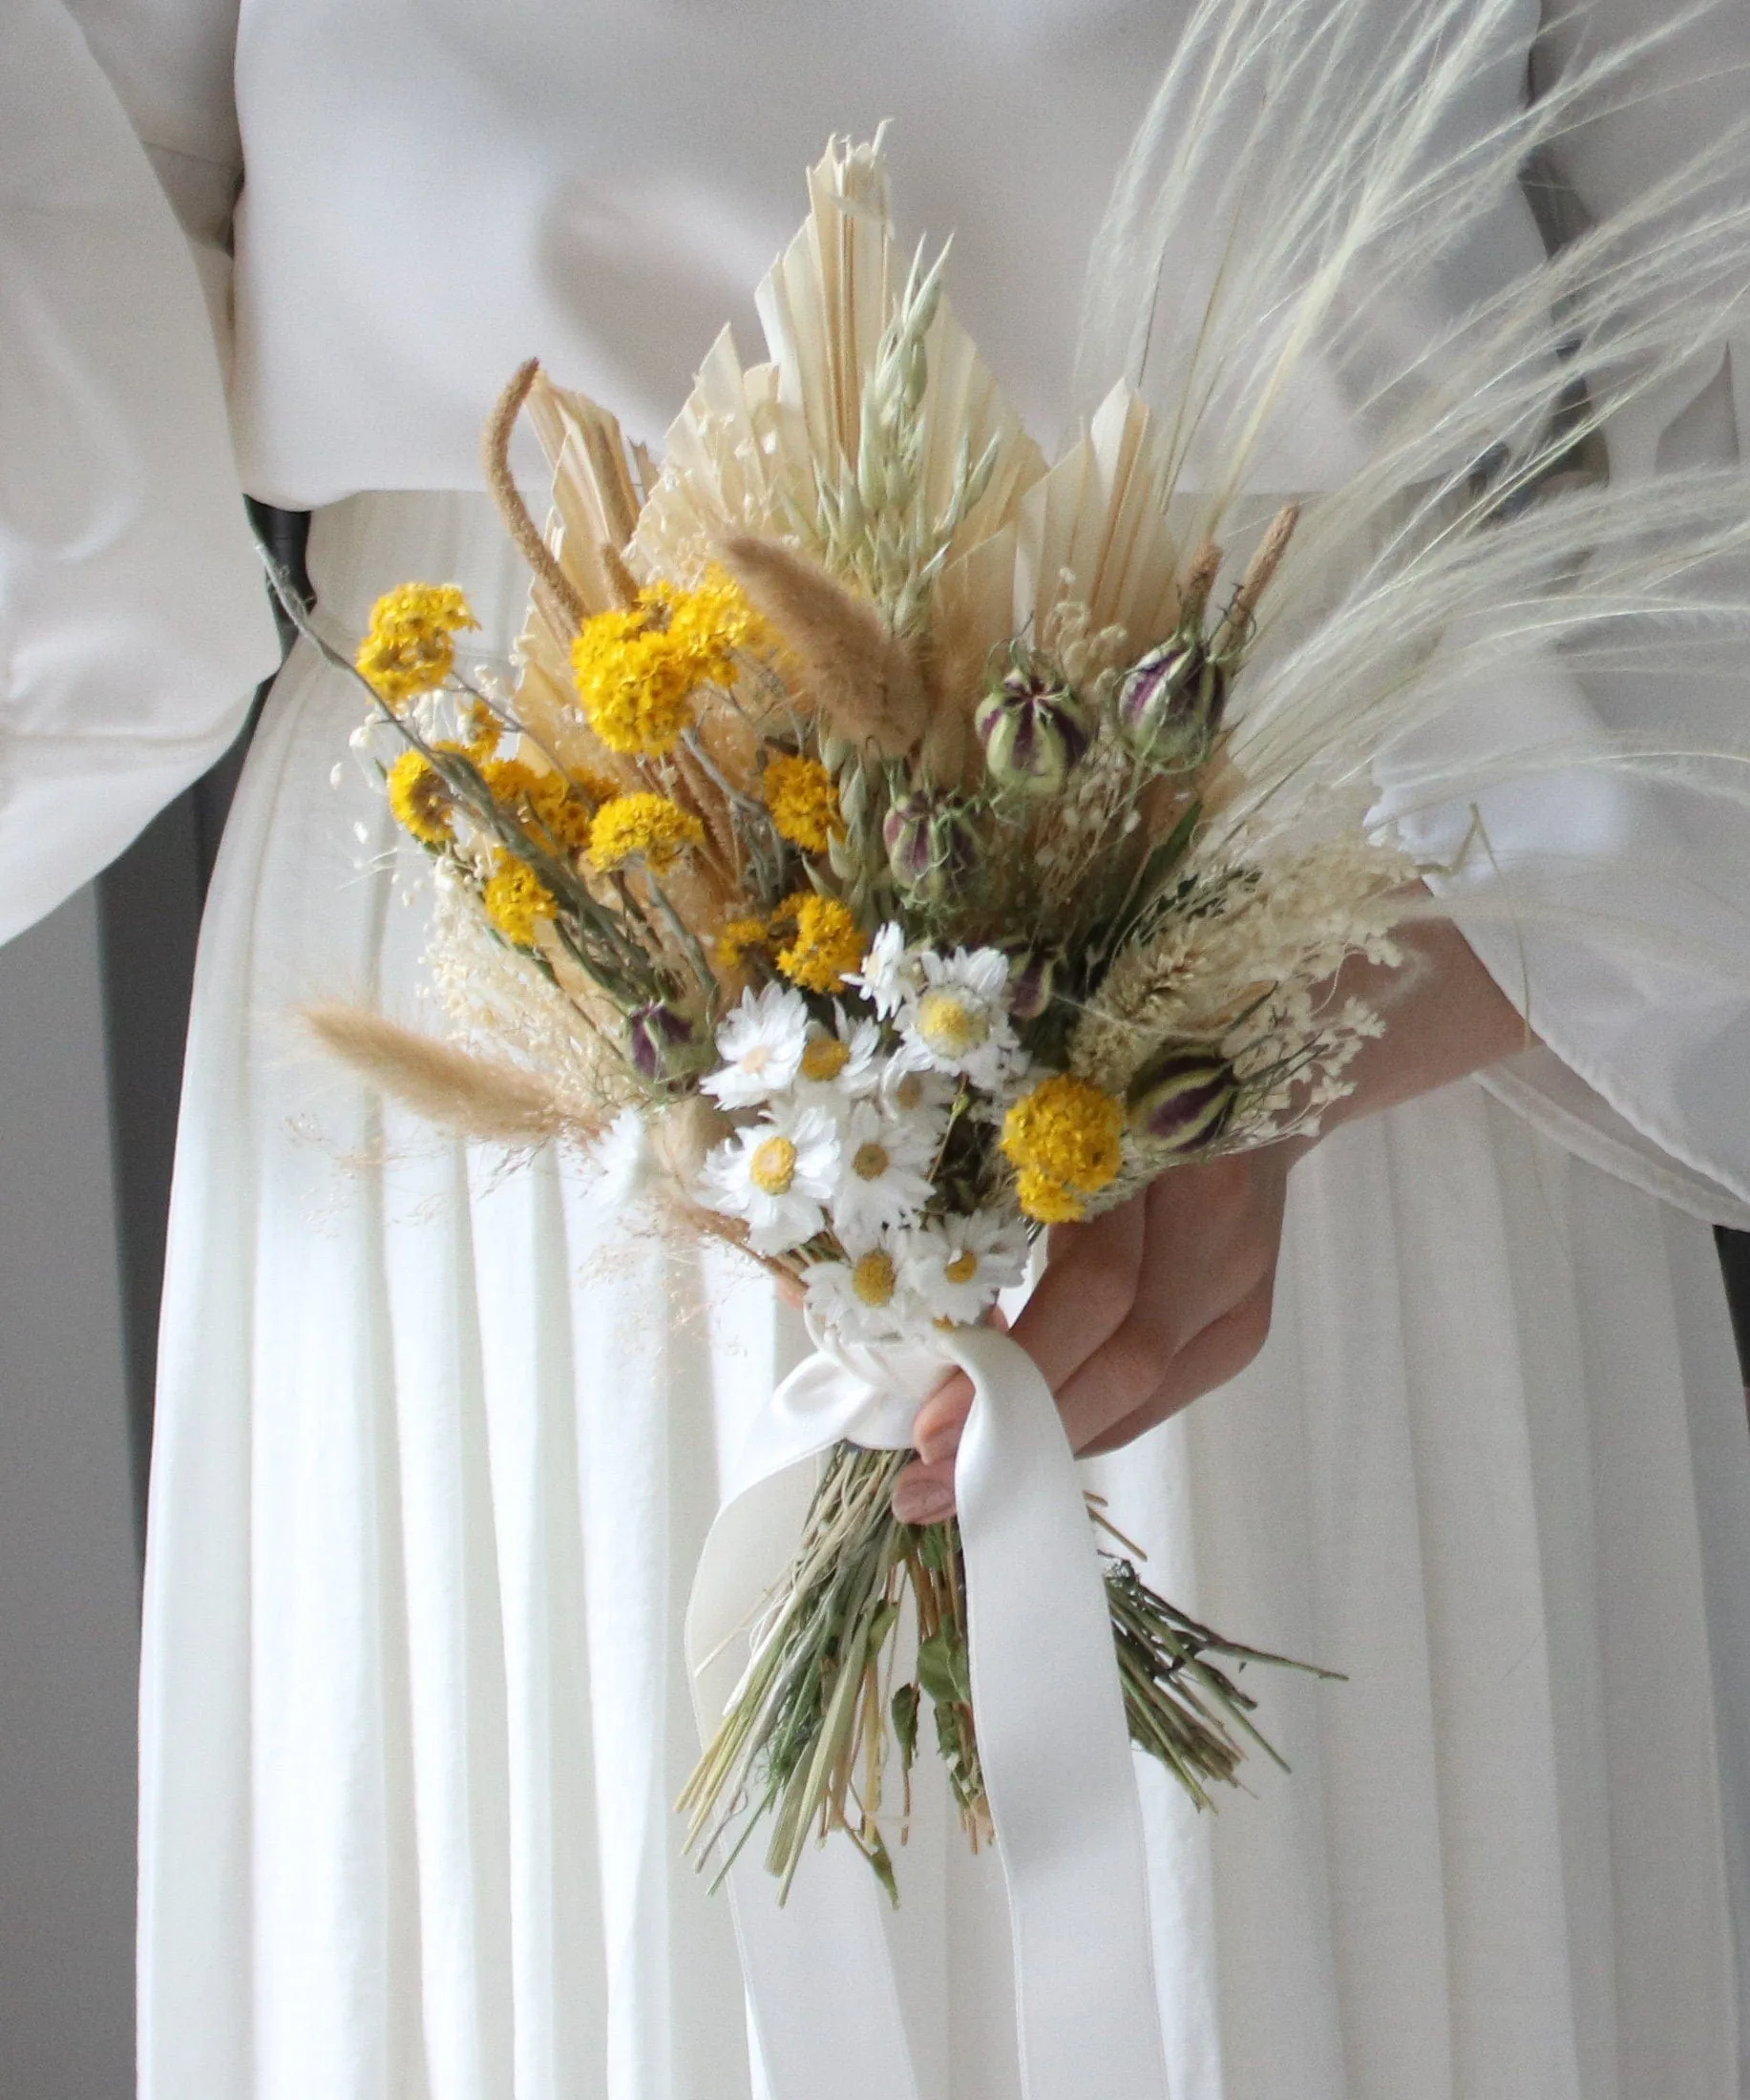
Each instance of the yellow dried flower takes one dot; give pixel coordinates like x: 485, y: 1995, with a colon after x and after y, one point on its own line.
x: 803, y: 801
x: 411, y: 647
x: 516, y: 900
x: 549, y: 799
x: 637, y: 666
x: 510, y: 780
x: 564, y: 815
x: 1047, y: 1200
x: 485, y: 731
x: 828, y: 945
x: 736, y: 938
x: 1065, y: 1137
x: 418, y: 798
x: 642, y: 824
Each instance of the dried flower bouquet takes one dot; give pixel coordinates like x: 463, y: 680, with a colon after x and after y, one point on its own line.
x: 863, y: 861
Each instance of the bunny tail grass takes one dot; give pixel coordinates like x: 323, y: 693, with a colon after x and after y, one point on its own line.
x: 472, y: 1097
x: 861, y: 677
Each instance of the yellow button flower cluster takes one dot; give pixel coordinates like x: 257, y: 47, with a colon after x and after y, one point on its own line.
x: 637, y: 666
x: 803, y: 800
x: 1065, y: 1140
x: 827, y: 944
x: 642, y: 826
x: 410, y: 647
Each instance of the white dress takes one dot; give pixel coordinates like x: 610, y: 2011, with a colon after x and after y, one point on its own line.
x: 436, y: 1448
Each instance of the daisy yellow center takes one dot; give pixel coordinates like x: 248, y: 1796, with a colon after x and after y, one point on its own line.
x: 873, y: 1279
x: 825, y: 1058
x: 963, y: 1267
x: 753, y: 1061
x: 773, y: 1166
x: 869, y: 1161
x: 949, y: 1024
x: 909, y: 1093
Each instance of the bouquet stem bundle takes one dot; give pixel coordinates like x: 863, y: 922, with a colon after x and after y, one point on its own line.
x: 803, y: 1744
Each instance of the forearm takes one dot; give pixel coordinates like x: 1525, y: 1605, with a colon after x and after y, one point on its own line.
x: 1444, y: 1017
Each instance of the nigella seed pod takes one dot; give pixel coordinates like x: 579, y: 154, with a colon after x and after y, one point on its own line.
x: 929, y: 845
x: 1032, y: 981
x: 1182, y: 1097
x: 1170, y: 705
x: 1034, y: 731
x: 664, y: 1044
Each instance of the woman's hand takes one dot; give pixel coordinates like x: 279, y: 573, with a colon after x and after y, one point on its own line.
x: 1144, y: 1309
x: 1137, y: 1314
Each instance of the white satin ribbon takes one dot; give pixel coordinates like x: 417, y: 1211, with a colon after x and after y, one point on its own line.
x: 1052, y: 1737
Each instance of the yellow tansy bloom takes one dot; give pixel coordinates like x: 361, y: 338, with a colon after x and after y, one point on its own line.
x: 737, y: 938
x: 803, y: 801
x: 1047, y: 1200
x: 547, y: 798
x: 828, y: 945
x: 646, y: 825
x: 1065, y: 1138
x: 410, y: 647
x: 418, y: 798
x: 516, y: 900
x: 637, y: 666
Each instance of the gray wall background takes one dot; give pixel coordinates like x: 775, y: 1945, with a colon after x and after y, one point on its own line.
x: 69, y: 1572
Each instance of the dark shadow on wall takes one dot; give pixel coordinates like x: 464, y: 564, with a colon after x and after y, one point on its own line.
x: 149, y: 905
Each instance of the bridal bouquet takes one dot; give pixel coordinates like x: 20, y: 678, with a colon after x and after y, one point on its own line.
x: 886, y: 845
x: 855, y: 857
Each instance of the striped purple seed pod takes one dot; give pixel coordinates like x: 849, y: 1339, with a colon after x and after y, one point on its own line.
x: 662, y: 1043
x: 1182, y: 1097
x: 930, y: 844
x: 1170, y: 705
x: 1034, y: 731
x: 1032, y: 979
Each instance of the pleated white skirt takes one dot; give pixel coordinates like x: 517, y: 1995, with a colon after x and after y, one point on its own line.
x: 436, y: 1449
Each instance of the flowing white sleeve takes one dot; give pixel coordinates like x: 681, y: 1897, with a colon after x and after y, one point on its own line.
x: 1617, y: 912
x: 133, y: 622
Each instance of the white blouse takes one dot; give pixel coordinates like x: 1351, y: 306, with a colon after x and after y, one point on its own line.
x: 427, y: 192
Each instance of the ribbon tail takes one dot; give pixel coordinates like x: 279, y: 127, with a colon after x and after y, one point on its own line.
x: 1053, y: 1742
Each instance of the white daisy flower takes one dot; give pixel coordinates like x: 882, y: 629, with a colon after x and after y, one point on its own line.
x: 955, y: 1267
x: 760, y: 1045
x: 863, y: 1298
x: 908, y: 1088
x: 841, y: 1067
x: 618, y: 1165
x: 884, y: 1170
x: 778, y: 1174
x: 889, y: 974
x: 957, y: 1019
